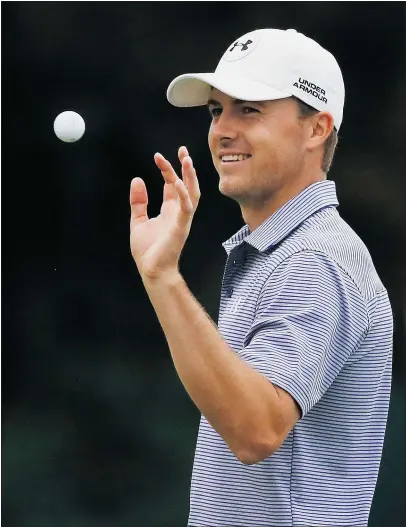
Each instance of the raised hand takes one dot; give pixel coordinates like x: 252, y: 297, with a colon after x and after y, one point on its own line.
x: 156, y: 243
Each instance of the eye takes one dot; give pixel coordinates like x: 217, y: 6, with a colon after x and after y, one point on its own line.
x: 249, y: 109
x: 215, y: 112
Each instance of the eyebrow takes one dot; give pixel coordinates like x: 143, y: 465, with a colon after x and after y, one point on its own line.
x: 213, y: 102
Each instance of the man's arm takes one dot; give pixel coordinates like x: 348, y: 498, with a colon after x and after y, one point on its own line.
x: 251, y: 415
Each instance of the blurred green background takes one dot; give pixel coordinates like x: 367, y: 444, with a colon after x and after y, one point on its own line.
x: 97, y: 429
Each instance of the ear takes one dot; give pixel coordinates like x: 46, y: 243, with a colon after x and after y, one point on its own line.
x: 322, y: 125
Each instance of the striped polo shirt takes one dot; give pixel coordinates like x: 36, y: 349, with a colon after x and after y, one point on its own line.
x: 302, y: 303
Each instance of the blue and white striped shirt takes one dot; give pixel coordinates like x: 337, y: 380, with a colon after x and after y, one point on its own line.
x: 302, y: 303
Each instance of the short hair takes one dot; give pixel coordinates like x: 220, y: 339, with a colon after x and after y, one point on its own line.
x: 305, y: 110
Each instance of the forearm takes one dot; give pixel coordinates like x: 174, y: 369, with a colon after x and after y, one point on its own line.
x: 239, y: 402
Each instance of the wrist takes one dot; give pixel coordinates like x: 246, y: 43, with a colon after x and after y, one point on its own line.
x: 161, y: 279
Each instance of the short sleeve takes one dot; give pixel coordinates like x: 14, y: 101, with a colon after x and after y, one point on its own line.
x: 310, y: 318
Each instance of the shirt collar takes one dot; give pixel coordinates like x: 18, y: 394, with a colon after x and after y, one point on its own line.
x: 273, y: 230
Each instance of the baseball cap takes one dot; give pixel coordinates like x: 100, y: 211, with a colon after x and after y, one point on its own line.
x: 269, y: 64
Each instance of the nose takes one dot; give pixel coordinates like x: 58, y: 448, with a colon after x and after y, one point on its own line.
x: 224, y: 127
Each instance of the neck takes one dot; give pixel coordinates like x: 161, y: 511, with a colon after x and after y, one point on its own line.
x: 255, y: 214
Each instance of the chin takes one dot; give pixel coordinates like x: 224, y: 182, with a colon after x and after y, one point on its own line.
x: 232, y: 191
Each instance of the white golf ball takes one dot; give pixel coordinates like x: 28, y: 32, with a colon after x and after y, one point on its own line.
x: 69, y: 126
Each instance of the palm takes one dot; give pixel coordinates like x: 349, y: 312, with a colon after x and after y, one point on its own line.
x: 152, y: 240
x: 156, y: 243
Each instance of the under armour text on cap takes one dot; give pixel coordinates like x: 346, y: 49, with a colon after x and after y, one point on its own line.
x: 269, y: 64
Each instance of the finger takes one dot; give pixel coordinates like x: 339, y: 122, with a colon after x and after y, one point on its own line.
x: 190, y: 179
x: 169, y: 192
x: 138, y: 201
x: 166, y: 168
x: 182, y: 153
x: 186, y: 205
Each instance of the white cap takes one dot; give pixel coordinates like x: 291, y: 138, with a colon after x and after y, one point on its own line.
x: 269, y: 64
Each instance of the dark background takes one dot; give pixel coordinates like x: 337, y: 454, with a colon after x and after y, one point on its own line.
x: 97, y: 428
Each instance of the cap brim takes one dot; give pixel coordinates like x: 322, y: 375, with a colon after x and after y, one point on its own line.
x: 194, y: 89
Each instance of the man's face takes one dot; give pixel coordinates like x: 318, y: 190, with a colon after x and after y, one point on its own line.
x: 270, y: 138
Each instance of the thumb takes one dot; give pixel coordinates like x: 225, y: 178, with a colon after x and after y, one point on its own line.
x: 138, y: 201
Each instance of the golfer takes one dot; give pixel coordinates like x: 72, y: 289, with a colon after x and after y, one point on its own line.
x: 293, y: 384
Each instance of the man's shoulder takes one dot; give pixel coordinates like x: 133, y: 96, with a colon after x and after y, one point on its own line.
x: 329, y: 235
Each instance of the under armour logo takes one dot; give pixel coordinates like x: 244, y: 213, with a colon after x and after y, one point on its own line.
x: 244, y: 47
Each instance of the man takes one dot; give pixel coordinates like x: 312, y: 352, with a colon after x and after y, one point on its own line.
x: 294, y: 384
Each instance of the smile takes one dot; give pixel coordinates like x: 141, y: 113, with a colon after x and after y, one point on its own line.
x: 235, y: 158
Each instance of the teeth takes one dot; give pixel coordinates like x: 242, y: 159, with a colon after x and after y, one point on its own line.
x: 238, y: 157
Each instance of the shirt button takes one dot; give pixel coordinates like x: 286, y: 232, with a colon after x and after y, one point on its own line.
x: 234, y: 263
x: 230, y: 292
